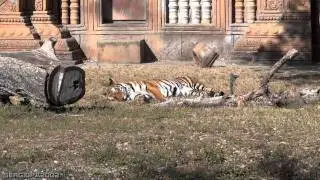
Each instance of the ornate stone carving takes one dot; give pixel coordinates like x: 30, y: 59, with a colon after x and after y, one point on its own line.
x: 8, y: 6
x: 296, y: 10
x: 273, y: 5
x: 206, y: 8
x: 247, y: 44
x: 74, y: 11
x: 239, y: 5
x: 195, y: 11
x: 18, y: 44
x: 173, y: 11
x: 65, y: 12
x: 183, y: 11
x: 38, y: 5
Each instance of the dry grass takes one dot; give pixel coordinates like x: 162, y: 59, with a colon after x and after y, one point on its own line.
x: 94, y: 138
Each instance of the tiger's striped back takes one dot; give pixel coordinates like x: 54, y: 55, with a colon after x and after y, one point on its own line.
x: 159, y: 89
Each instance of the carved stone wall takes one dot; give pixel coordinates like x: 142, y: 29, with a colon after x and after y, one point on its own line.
x: 25, y: 23
x: 280, y: 25
x: 167, y: 29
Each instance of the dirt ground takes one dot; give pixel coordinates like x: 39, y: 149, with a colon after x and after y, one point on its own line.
x: 98, y: 139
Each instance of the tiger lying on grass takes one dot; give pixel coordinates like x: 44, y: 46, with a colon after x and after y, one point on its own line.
x: 159, y: 90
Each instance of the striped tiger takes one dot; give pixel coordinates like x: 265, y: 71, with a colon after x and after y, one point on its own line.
x: 158, y: 89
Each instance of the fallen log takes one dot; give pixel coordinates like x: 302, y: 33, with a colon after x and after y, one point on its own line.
x: 195, y: 102
x: 39, y: 78
x: 204, y: 55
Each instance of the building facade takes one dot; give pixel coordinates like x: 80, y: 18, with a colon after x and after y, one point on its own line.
x: 150, y: 30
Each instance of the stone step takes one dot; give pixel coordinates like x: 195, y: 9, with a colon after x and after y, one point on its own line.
x: 125, y: 51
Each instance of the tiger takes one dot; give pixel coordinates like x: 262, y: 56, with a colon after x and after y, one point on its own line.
x: 158, y: 89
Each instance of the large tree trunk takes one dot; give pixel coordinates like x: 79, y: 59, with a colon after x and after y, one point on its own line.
x: 40, y: 78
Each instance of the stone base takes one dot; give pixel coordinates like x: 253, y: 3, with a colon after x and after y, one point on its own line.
x: 152, y: 46
x: 120, y: 51
x: 19, y: 37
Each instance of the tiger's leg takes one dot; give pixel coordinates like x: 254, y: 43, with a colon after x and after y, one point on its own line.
x: 209, y: 92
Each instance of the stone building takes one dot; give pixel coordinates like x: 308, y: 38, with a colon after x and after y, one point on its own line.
x: 150, y: 30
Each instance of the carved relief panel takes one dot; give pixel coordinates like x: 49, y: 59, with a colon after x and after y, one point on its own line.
x: 7, y: 6
x: 38, y: 5
x: 283, y: 10
x: 34, y: 5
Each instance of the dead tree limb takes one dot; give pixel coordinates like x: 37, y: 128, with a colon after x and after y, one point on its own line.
x: 195, y: 102
x: 40, y: 78
x: 261, y: 96
x: 264, y: 83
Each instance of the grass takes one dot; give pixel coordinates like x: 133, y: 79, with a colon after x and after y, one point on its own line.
x: 94, y: 138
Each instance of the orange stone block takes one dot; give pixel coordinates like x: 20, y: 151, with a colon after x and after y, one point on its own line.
x: 120, y: 51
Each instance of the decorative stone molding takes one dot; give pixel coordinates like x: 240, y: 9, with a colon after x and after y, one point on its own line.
x: 274, y: 5
x: 74, y: 11
x: 275, y: 10
x: 7, y: 6
x: 183, y: 11
x: 195, y: 11
x: 173, y: 11
x: 38, y: 5
x: 18, y: 44
x: 239, y: 11
x: 206, y: 7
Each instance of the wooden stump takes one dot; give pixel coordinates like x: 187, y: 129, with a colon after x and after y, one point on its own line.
x: 39, y: 77
x: 205, y: 55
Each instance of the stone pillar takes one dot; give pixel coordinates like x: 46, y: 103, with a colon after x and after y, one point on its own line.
x: 65, y: 12
x: 173, y: 11
x: 183, y: 11
x: 195, y: 11
x: 206, y: 8
x: 251, y: 11
x: 24, y: 23
x: 74, y: 11
x: 239, y: 6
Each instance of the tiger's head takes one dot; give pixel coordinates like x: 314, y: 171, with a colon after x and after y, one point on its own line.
x: 116, y: 92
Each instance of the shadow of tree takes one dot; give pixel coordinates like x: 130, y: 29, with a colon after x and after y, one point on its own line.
x: 277, y: 164
x: 296, y: 26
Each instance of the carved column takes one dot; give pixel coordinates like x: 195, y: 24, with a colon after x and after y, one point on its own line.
x: 239, y: 13
x: 184, y: 11
x: 251, y: 11
x: 74, y: 11
x: 195, y: 11
x: 206, y: 11
x: 173, y: 11
x: 65, y: 12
